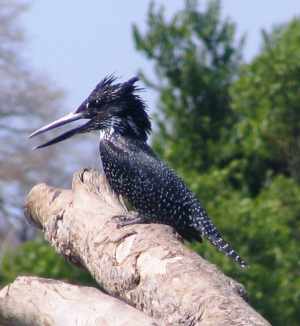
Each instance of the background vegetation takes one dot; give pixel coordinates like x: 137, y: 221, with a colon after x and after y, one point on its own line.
x: 231, y: 130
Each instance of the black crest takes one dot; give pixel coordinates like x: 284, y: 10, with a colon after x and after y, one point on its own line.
x: 108, y: 90
x: 125, y: 109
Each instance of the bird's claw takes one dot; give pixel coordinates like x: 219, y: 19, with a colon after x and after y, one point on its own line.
x: 128, y: 219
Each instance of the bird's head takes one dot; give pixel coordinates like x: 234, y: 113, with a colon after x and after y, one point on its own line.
x: 112, y: 107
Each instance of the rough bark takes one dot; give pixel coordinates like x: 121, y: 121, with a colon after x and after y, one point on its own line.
x: 33, y: 301
x: 146, y: 265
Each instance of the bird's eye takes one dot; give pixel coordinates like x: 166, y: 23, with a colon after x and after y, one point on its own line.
x: 96, y: 103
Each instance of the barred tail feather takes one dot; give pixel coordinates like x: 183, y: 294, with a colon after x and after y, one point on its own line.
x: 204, y: 225
x: 225, y: 247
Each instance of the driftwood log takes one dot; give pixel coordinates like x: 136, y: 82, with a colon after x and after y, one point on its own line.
x: 145, y: 265
x: 33, y: 301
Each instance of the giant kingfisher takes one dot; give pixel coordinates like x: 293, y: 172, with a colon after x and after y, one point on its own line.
x: 133, y: 170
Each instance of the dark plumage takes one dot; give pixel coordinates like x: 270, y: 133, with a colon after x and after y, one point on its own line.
x: 131, y: 167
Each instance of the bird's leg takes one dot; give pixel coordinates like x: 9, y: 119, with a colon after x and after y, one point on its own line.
x: 130, y: 218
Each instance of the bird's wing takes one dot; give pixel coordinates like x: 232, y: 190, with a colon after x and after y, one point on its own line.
x: 148, y: 184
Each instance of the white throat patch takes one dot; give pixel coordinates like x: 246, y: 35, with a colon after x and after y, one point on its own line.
x: 106, y: 133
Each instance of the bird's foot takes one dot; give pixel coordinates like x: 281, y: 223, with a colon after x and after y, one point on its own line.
x: 128, y: 219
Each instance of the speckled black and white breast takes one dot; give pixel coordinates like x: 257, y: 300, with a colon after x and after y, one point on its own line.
x: 150, y: 186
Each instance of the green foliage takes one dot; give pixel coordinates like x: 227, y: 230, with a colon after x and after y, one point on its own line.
x: 265, y: 229
x: 195, y: 58
x: 38, y: 258
x: 267, y: 100
x: 232, y: 132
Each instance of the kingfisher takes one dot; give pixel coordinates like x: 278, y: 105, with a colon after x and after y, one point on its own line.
x: 131, y: 167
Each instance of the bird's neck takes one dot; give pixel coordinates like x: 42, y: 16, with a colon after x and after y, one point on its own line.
x: 123, y: 142
x: 107, y: 133
x: 122, y: 132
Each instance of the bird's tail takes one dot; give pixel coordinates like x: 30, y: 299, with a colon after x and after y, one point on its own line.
x: 225, y: 247
x: 207, y: 228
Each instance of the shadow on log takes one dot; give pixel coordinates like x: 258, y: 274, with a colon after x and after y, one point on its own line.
x: 145, y: 265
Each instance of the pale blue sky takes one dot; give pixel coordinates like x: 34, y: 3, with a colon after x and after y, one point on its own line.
x: 76, y: 43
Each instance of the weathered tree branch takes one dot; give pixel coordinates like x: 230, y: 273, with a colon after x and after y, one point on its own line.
x: 33, y: 301
x: 145, y: 265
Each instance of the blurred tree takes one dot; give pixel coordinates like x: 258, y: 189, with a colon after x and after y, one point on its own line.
x: 27, y: 100
x: 196, y: 58
x: 232, y: 133
x: 267, y: 101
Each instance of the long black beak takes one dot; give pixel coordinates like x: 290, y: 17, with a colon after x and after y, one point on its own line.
x: 60, y: 122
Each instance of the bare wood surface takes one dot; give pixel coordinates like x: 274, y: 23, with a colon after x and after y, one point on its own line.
x: 33, y: 301
x: 146, y: 265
